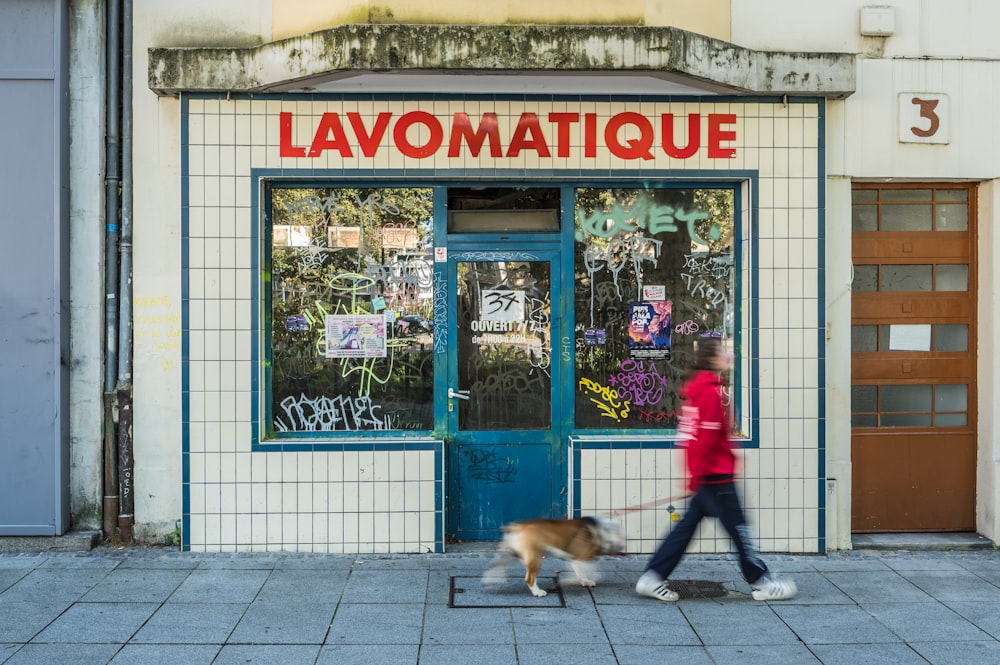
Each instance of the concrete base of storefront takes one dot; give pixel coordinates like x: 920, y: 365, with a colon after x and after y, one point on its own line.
x: 920, y: 541
x: 74, y: 541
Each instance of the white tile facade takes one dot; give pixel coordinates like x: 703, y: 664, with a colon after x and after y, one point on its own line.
x: 387, y: 499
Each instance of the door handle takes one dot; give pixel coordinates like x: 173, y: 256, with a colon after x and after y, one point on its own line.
x: 460, y: 394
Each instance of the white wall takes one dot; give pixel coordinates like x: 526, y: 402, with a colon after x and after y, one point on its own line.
x: 988, y: 476
x: 923, y: 28
x: 86, y: 174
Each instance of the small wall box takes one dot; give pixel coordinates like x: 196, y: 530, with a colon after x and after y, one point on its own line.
x: 878, y: 21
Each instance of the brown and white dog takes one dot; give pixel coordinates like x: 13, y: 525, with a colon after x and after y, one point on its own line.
x: 576, y: 540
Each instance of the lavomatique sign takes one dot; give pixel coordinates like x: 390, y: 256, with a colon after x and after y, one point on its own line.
x: 627, y: 135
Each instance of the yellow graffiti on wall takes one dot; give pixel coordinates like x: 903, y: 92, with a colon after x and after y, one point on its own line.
x: 157, y: 321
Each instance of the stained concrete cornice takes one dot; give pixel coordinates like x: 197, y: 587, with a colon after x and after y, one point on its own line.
x: 539, y: 49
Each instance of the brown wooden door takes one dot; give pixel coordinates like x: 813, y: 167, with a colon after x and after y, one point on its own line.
x: 913, y: 332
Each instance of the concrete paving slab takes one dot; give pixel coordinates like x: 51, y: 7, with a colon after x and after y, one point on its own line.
x: 305, y: 586
x: 8, y: 576
x: 22, y: 561
x: 135, y: 585
x: 815, y: 589
x: 952, y: 585
x: 925, y: 622
x: 959, y: 653
x: 368, y: 654
x: 664, y: 624
x: 868, y: 654
x: 546, y: 654
x: 288, y: 622
x: 985, y: 616
x: 743, y: 622
x: 466, y: 654
x: 157, y: 654
x: 816, y: 624
x: 371, y: 623
x: 63, y: 654
x: 57, y: 584
x: 840, y: 563
x: 21, y: 621
x: 93, y: 623
x: 474, y: 592
x: 220, y: 586
x: 767, y: 654
x: 88, y: 560
x: 553, y: 627
x: 635, y: 654
x: 180, y: 623
x: 386, y: 586
x: 878, y: 586
x: 444, y: 625
x: 8, y: 650
x: 287, y: 654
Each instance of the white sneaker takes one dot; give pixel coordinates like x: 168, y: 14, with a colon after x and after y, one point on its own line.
x: 770, y: 587
x: 652, y: 586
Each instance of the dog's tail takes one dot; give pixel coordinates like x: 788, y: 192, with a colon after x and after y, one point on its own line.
x: 493, y: 574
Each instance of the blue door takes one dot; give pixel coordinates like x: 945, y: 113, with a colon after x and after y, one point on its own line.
x: 504, y: 451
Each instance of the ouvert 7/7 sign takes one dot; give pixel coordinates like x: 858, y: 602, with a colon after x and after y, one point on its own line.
x: 420, y: 134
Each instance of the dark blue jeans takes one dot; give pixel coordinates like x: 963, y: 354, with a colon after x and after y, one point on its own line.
x: 716, y: 500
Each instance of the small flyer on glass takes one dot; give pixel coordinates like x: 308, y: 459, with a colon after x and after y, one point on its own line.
x: 355, y: 336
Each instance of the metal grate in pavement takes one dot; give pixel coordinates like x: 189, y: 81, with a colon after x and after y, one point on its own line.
x: 504, y: 592
x: 697, y: 588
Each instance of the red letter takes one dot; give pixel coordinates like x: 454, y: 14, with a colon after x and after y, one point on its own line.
x: 590, y: 135
x: 636, y: 147
x: 562, y: 122
x: 286, y: 149
x: 717, y: 136
x: 528, y: 124
x: 694, y: 136
x: 369, y: 143
x: 330, y: 122
x: 462, y: 127
x: 403, y: 143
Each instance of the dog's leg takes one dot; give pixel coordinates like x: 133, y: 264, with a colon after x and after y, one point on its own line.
x: 582, y: 571
x: 533, y: 564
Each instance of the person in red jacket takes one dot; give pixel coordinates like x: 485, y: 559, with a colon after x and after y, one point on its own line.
x: 704, y: 428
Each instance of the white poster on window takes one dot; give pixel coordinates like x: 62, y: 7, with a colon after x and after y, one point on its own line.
x: 502, y: 305
x: 355, y: 336
x: 910, y: 337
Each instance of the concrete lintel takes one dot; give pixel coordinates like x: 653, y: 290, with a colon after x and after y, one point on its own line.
x: 500, y: 48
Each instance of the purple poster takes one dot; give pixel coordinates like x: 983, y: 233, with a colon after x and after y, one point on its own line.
x: 649, y: 330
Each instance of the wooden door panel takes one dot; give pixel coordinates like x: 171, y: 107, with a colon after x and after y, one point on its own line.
x: 910, y: 247
x: 901, y: 367
x: 911, y: 308
x: 932, y: 491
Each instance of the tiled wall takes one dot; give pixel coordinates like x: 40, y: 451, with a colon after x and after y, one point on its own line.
x: 380, y: 497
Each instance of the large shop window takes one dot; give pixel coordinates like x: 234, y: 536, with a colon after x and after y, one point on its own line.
x: 350, y: 302
x: 655, y: 270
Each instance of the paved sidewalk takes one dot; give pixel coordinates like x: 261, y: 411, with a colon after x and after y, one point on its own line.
x: 149, y: 605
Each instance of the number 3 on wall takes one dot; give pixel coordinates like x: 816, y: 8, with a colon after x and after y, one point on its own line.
x: 923, y: 117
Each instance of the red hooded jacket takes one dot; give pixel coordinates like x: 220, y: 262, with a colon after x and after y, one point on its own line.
x: 704, y: 427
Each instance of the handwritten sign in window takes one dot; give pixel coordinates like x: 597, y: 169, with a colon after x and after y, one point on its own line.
x: 502, y: 305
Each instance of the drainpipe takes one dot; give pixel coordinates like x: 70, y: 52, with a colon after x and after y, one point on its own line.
x: 126, y: 509
x: 112, y: 180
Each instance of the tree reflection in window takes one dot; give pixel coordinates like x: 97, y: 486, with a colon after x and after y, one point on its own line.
x: 356, y: 260
x: 654, y: 270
